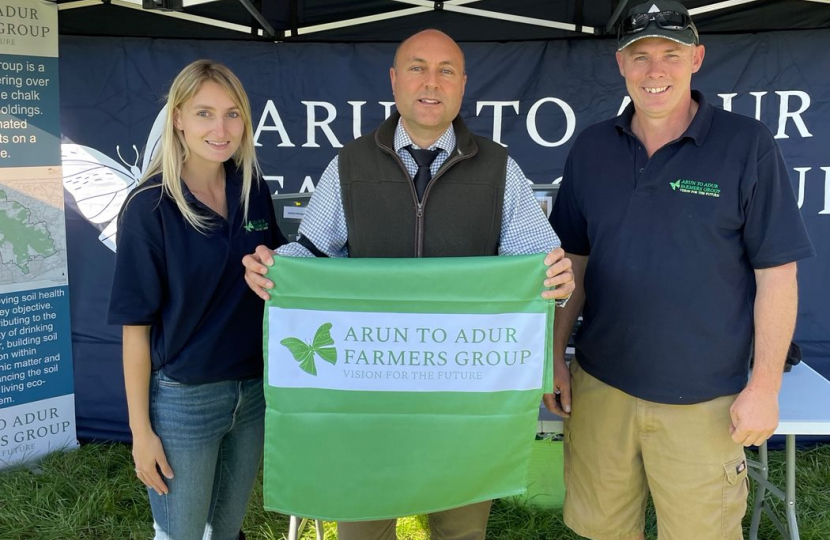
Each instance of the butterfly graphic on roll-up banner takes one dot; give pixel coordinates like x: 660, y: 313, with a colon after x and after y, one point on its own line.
x: 100, y: 185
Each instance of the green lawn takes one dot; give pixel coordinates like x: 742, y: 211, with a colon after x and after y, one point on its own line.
x: 92, y: 494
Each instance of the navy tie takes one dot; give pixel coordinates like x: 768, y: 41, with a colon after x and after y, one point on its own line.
x: 424, y: 159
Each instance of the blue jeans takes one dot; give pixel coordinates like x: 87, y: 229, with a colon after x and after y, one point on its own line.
x: 212, y: 436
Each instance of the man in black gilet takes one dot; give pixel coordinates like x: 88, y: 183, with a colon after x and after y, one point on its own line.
x: 422, y: 185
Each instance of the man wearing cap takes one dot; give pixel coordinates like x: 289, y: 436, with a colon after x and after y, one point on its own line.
x: 422, y: 185
x: 683, y: 238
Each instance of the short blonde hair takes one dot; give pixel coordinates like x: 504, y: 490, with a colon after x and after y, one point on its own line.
x: 173, y: 150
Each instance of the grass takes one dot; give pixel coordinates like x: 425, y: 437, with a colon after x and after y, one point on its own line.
x: 92, y: 493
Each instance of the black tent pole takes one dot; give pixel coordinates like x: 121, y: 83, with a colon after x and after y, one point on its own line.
x: 293, y: 17
x: 579, y: 14
x: 612, y: 22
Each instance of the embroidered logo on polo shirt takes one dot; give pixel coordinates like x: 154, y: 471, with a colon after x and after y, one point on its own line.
x: 696, y: 187
x: 256, y: 225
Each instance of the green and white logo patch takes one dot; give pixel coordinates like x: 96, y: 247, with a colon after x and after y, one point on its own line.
x: 696, y: 187
x: 256, y: 225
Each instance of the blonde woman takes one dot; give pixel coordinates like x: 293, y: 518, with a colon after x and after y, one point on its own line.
x: 192, y: 328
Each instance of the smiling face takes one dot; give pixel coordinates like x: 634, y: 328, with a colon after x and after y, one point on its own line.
x: 428, y: 83
x: 211, y: 125
x: 658, y: 75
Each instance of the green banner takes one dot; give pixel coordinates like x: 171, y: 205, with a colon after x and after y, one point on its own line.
x: 402, y: 386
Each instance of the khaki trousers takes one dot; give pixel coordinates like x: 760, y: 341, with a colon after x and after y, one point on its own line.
x: 619, y: 449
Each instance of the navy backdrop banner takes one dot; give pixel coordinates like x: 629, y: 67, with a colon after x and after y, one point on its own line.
x: 310, y: 99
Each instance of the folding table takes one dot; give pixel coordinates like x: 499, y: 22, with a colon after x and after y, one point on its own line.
x: 804, y: 403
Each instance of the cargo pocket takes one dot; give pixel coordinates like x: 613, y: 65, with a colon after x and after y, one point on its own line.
x: 735, y: 489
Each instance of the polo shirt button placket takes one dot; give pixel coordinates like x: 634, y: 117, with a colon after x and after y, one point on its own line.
x: 640, y: 149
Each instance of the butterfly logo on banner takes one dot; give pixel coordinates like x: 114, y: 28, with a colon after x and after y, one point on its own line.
x: 100, y: 185
x: 320, y: 345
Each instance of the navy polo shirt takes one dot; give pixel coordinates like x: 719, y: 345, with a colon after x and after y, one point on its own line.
x: 189, y: 286
x: 673, y: 242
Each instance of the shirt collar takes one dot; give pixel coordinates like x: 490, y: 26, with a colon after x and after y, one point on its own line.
x: 445, y: 142
x: 696, y: 131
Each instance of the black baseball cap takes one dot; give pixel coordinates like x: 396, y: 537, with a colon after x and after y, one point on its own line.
x: 657, y: 18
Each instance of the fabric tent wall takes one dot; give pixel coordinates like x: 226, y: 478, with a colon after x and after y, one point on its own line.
x: 308, y: 99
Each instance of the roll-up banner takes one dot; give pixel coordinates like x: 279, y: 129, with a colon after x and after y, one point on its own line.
x: 37, y: 405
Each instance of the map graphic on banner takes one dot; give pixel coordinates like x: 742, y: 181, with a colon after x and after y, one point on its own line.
x: 33, y: 241
x: 404, y: 404
x: 37, y: 405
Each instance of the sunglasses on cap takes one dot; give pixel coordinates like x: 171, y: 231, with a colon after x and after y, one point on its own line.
x: 667, y: 20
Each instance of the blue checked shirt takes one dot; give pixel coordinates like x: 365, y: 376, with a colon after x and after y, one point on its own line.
x: 524, y: 230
